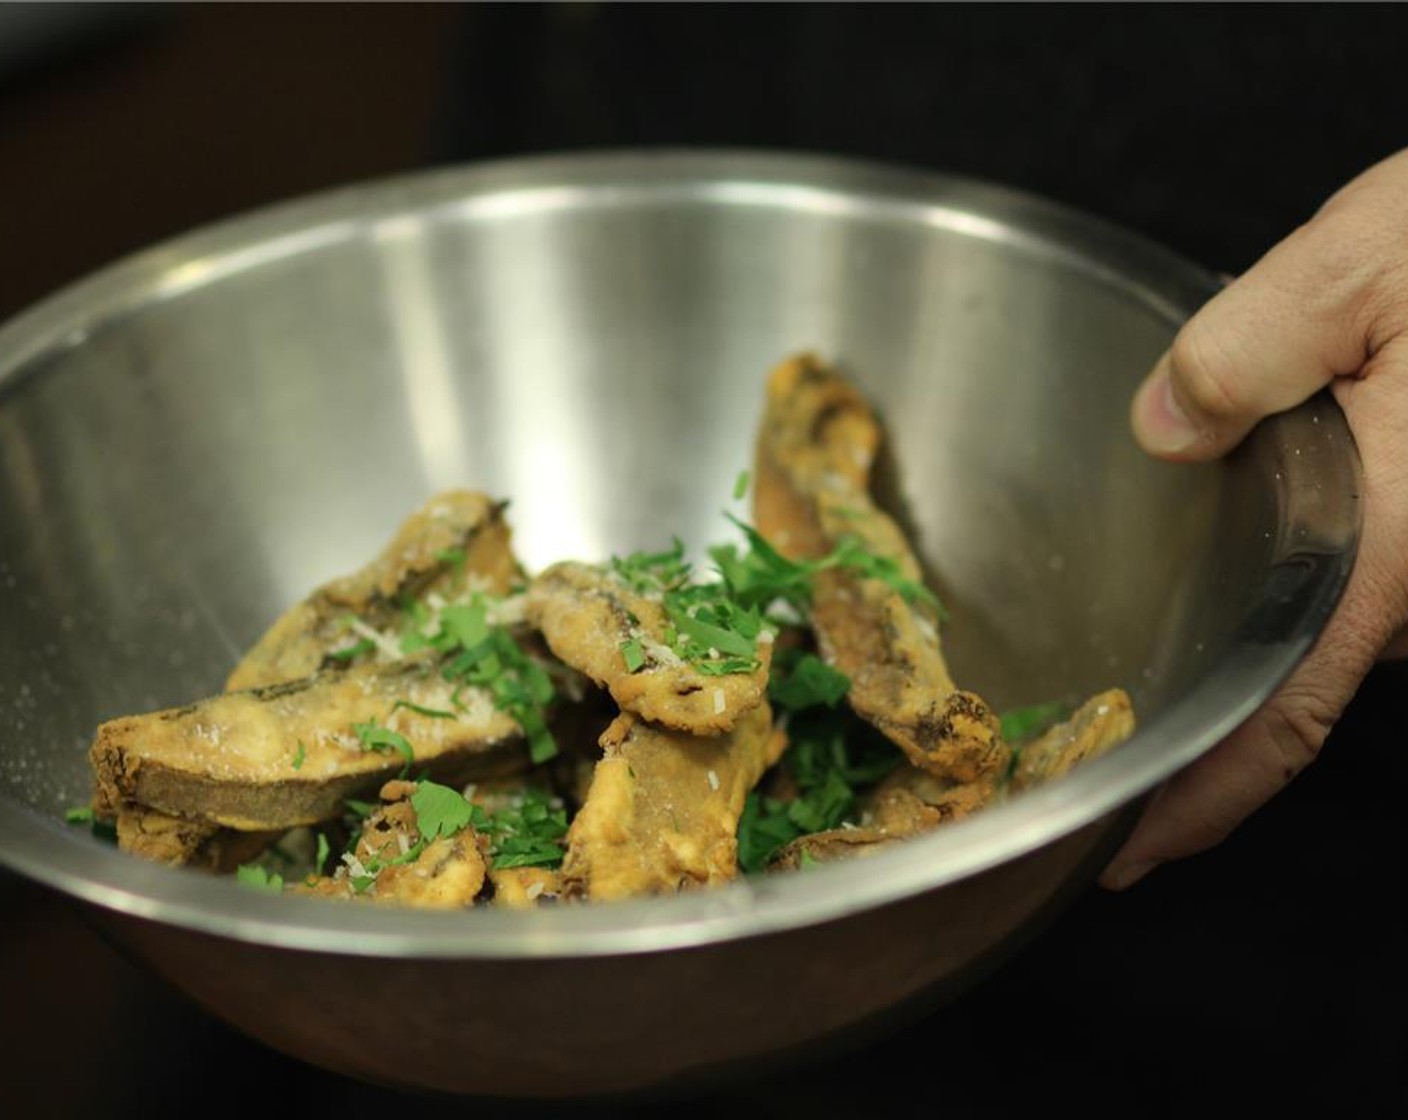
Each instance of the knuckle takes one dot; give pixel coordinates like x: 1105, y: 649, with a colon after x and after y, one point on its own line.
x: 1298, y: 722
x: 1205, y: 369
x: 1360, y: 279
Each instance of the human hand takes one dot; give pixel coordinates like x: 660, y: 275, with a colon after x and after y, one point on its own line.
x: 1326, y: 306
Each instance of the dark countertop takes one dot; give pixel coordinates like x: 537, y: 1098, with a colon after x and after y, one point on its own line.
x: 1265, y: 974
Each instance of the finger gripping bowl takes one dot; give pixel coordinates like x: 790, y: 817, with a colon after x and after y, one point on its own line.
x: 195, y: 437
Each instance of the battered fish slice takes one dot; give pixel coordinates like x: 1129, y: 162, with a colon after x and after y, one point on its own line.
x: 906, y: 804
x: 1101, y: 723
x: 447, y: 874
x: 831, y: 846
x: 523, y: 888
x: 285, y: 755
x: 816, y: 446
x: 456, y: 542
x: 182, y: 842
x: 585, y: 615
x: 662, y: 812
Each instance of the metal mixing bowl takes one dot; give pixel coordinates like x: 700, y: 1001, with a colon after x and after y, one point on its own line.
x: 193, y: 438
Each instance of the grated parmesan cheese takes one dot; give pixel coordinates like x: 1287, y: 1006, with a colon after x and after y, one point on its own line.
x: 534, y: 890
x: 719, y: 703
x: 713, y: 781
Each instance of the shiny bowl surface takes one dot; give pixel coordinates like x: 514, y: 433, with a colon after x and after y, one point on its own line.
x: 195, y: 437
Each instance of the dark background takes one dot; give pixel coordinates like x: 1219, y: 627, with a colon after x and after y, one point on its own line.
x: 1269, y: 973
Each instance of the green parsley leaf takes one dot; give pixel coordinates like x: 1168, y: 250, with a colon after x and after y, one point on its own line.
x: 528, y: 834
x: 807, y: 861
x: 633, y: 654
x: 380, y: 739
x: 253, y: 875
x: 349, y: 653
x: 324, y: 850
x: 440, y: 810
x: 645, y: 572
x: 455, y: 557
x: 299, y: 755
x: 1020, y: 724
x: 362, y: 809
x: 361, y: 883
x: 806, y: 681
x: 740, y: 485
x: 420, y: 710
x: 82, y: 814
x: 832, y: 755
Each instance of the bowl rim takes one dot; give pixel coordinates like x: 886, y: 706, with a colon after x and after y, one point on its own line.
x: 46, y: 850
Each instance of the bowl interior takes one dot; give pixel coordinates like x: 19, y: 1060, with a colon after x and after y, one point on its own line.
x: 193, y: 440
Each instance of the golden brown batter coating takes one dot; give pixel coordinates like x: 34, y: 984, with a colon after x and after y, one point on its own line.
x: 815, y: 449
x: 181, y: 841
x: 662, y: 812
x: 285, y: 755
x: 448, y: 873
x: 1101, y: 723
x: 456, y: 542
x: 586, y: 614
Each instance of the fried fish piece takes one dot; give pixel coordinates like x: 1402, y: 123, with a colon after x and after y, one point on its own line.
x: 908, y: 803
x: 586, y: 615
x: 394, y: 863
x: 288, y: 754
x: 522, y: 888
x: 830, y: 846
x: 1101, y: 723
x: 180, y: 841
x: 455, y: 543
x: 815, y: 450
x: 662, y: 812
x: 911, y: 801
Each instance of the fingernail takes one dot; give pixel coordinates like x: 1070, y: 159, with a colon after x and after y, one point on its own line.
x: 1119, y: 878
x: 1160, y: 423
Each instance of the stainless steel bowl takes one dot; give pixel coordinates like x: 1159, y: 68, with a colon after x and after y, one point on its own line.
x: 196, y: 436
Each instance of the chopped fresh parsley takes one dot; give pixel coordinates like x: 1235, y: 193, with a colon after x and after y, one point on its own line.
x: 803, y: 680
x: 486, y: 656
x: 382, y: 740
x: 455, y: 557
x: 832, y: 756
x: 299, y: 755
x: 1020, y: 724
x: 324, y: 850
x: 83, y: 814
x: 355, y: 650
x: 633, y: 654
x: 421, y: 710
x: 253, y: 875
x: 740, y: 486
x: 440, y: 810
x: 527, y: 834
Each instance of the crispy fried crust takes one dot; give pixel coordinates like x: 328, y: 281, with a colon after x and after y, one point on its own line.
x: 585, y: 615
x: 230, y: 760
x: 1101, y: 723
x: 424, y: 556
x: 522, y: 888
x: 180, y: 841
x: 662, y: 812
x: 448, y: 874
x: 815, y: 449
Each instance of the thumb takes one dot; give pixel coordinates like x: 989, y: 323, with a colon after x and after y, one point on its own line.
x: 1305, y: 314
